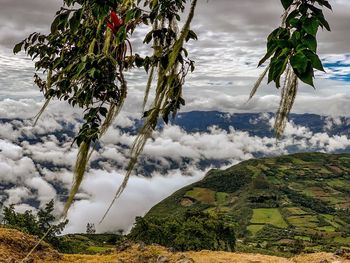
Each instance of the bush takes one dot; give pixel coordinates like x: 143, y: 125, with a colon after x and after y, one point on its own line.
x: 37, y: 225
x: 196, y: 231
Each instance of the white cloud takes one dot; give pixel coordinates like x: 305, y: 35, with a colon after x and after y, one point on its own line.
x: 140, y: 195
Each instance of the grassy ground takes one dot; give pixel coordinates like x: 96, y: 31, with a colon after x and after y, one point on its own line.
x: 202, y: 195
x: 268, y: 215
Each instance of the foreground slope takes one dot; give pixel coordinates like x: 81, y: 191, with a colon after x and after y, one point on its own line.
x: 291, y: 203
x: 14, y: 245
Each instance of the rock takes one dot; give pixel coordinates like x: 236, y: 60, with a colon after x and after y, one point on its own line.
x: 171, y: 249
x: 184, y: 259
x: 124, y: 245
x: 339, y: 252
x: 142, y: 246
x: 145, y: 259
x: 162, y: 259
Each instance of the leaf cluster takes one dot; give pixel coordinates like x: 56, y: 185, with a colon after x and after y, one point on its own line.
x: 295, y: 43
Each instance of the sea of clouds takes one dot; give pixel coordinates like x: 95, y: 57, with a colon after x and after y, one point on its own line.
x: 36, y: 162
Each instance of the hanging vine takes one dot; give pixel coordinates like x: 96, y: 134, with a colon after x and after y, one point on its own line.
x: 89, y: 49
x: 293, y: 51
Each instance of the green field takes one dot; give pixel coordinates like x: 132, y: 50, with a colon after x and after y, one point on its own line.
x: 326, y: 228
x: 342, y: 240
x: 295, y: 211
x: 202, y: 195
x: 270, y: 216
x: 221, y: 197
x: 309, y: 221
x: 254, y: 228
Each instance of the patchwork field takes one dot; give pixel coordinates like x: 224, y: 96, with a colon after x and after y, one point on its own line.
x: 288, y: 203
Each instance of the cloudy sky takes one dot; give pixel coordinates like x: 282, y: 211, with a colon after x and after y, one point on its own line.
x: 231, y: 40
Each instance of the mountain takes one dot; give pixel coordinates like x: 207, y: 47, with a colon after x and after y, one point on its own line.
x: 299, y: 201
x: 256, y: 124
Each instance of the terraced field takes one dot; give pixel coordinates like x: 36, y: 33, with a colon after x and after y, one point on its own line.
x: 286, y: 203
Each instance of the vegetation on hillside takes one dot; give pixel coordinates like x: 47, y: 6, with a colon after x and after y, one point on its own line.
x: 284, y: 204
x: 87, y: 243
x: 39, y: 224
x: 197, y: 231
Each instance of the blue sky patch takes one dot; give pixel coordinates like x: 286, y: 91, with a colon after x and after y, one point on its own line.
x: 338, y: 67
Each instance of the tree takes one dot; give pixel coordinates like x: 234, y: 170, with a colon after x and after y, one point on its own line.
x: 39, y: 225
x: 90, y: 228
x: 88, y: 51
x: 195, y: 231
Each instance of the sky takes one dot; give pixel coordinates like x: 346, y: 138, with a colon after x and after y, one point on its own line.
x: 232, y: 39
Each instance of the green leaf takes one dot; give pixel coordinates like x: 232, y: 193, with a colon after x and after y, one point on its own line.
x: 270, y: 51
x: 148, y: 37
x: 327, y: 4
x: 315, y: 60
x: 287, y: 3
x: 55, y: 24
x: 277, y: 68
x: 311, y: 26
x: 18, y: 47
x: 307, y: 77
x: 191, y: 35
x: 299, y: 62
x: 324, y: 22
x: 293, y: 15
x: 74, y: 22
x: 311, y: 42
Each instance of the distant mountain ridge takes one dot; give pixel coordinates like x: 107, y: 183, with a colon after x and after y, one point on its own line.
x: 276, y: 203
x: 256, y: 124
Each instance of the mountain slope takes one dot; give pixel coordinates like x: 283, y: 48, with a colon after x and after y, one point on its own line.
x: 286, y: 204
x: 15, y: 245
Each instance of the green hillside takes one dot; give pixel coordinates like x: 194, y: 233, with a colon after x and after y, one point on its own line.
x: 290, y: 203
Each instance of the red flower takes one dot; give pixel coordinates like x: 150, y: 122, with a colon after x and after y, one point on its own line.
x: 115, y: 23
x: 116, y: 20
x: 110, y: 25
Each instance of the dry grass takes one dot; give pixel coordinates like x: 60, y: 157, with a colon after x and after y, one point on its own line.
x: 151, y: 253
x: 14, y: 245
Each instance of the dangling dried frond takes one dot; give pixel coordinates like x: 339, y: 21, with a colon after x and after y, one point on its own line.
x: 289, y: 92
x: 137, y: 147
x: 43, y: 108
x: 157, y: 49
x: 184, y: 32
x: 79, y: 170
x: 164, y: 84
x: 85, y: 152
x: 258, y: 82
x: 46, y: 88
x: 148, y: 88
